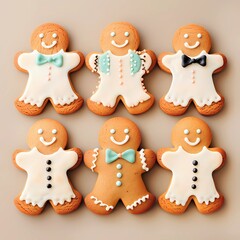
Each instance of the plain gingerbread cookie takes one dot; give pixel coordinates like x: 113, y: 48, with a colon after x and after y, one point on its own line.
x: 192, y: 67
x: 46, y: 165
x: 120, y: 68
x: 49, y: 66
x: 119, y: 166
x: 192, y: 163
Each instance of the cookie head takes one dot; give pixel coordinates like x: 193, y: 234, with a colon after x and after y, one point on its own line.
x: 119, y: 38
x: 192, y: 134
x: 192, y: 40
x: 119, y: 134
x: 47, y: 136
x: 49, y: 38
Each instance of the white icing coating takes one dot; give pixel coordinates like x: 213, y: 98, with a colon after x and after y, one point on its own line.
x: 54, y: 131
x: 137, y: 202
x: 182, y: 89
x: 143, y: 160
x: 54, y: 35
x: 180, y: 163
x: 186, y: 131
x: 35, y: 190
x: 186, y: 44
x: 126, y: 130
x: 112, y: 34
x: 41, y: 35
x: 120, y: 143
x: 46, y: 143
x: 49, y: 46
x: 40, y: 131
x: 96, y: 201
x: 39, y: 87
x: 185, y: 35
x: 199, y: 35
x: 95, y: 155
x: 119, y: 45
x: 112, y: 131
x: 195, y: 143
x: 198, y: 131
x: 131, y: 89
x: 126, y: 34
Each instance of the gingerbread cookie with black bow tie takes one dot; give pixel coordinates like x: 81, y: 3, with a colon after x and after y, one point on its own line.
x: 49, y: 66
x: 119, y: 166
x: 192, y: 68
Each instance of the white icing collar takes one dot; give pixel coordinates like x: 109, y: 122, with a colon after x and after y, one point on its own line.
x: 47, y: 55
x: 37, y: 151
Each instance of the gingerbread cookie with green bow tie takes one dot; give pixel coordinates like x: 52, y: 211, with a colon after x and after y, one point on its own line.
x: 48, y: 66
x: 120, y: 167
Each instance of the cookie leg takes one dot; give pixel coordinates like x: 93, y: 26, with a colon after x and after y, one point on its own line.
x: 99, y: 109
x: 28, y: 209
x: 172, y: 207
x: 68, y: 207
x: 170, y: 109
x: 141, y: 107
x: 100, y: 205
x: 211, y: 207
x: 141, y: 204
x: 212, y: 109
x: 69, y: 108
x: 28, y: 109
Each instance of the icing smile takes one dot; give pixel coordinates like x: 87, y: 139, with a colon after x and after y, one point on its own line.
x: 192, y: 143
x: 120, y: 143
x: 46, y: 143
x: 186, y: 44
x: 119, y: 45
x: 49, y: 46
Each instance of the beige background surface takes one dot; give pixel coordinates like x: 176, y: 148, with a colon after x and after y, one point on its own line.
x: 156, y: 22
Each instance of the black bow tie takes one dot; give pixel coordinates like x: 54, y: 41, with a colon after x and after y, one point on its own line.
x: 187, y: 60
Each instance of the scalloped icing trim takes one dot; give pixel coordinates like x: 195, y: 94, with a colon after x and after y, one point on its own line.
x: 137, y: 202
x: 96, y: 201
x: 95, y: 150
x: 143, y: 160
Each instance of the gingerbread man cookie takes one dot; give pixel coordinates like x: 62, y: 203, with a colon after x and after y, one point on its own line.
x: 192, y: 163
x: 119, y: 166
x: 49, y: 66
x: 120, y: 68
x: 192, y: 67
x: 46, y: 165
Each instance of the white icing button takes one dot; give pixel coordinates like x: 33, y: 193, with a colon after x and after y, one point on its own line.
x: 113, y: 34
x: 186, y: 131
x: 112, y: 131
x: 119, y: 175
x: 40, y: 131
x: 126, y: 130
x: 118, y: 183
x: 119, y: 166
x: 185, y: 35
x: 54, y: 131
x: 198, y: 131
x: 126, y: 34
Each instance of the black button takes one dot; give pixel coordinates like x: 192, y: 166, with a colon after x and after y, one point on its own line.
x: 48, y: 169
x: 194, y: 186
x: 49, y: 162
x: 49, y: 186
x: 195, y: 170
x: 49, y: 178
x: 194, y: 178
x: 195, y: 162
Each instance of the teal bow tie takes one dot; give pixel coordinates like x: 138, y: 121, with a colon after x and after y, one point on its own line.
x: 57, y: 60
x: 128, y: 155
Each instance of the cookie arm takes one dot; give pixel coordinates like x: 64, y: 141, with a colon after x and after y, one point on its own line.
x: 224, y: 62
x: 81, y: 62
x: 80, y: 155
x: 160, y: 153
x: 160, y: 61
x: 14, y: 156
x: 145, y: 159
x: 91, y: 158
x: 91, y: 64
x: 222, y: 152
x: 153, y: 58
x: 16, y: 63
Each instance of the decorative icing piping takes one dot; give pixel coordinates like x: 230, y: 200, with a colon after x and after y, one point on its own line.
x: 49, y: 46
x: 137, y: 202
x: 198, y: 140
x: 143, y: 160
x: 120, y: 143
x: 42, y: 140
x: 95, y: 150
x: 119, y: 45
x: 96, y: 201
x: 186, y: 44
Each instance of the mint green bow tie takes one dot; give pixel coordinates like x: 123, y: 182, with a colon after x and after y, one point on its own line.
x: 57, y: 60
x: 128, y: 155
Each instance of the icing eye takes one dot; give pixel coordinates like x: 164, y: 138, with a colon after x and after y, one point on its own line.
x: 112, y: 131
x: 113, y: 34
x: 126, y: 34
x: 199, y: 35
x: 40, y: 131
x: 185, y: 35
x: 198, y: 131
x: 54, y: 131
x: 54, y: 35
x: 186, y: 131
x: 126, y: 130
x: 41, y: 35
